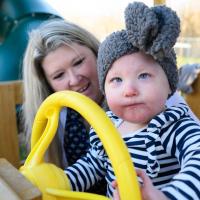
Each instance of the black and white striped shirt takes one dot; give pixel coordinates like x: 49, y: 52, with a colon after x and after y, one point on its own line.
x: 168, y: 150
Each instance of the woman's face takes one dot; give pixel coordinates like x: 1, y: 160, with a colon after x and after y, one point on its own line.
x: 73, y: 68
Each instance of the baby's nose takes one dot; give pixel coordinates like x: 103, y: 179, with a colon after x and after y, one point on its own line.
x: 130, y: 90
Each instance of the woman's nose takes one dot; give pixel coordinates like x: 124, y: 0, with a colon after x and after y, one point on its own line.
x: 74, y: 78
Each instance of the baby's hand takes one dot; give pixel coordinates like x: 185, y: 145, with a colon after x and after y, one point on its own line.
x: 148, y: 191
x: 116, y: 195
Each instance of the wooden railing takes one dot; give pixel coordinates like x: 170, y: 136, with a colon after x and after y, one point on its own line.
x: 10, y: 97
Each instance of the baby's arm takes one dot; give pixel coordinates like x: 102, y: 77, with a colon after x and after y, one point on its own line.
x: 186, y: 147
x: 85, y: 172
x: 89, y: 169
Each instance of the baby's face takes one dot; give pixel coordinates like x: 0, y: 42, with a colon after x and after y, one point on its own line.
x: 136, y: 88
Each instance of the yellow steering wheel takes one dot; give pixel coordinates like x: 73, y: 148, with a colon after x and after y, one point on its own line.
x: 51, y: 180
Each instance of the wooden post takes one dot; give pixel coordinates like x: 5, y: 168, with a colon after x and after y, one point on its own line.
x: 193, y: 99
x: 10, y: 96
x: 14, y: 186
x: 159, y: 2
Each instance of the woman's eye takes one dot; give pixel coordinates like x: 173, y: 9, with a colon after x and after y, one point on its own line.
x: 116, y: 79
x: 79, y: 62
x: 57, y: 76
x: 144, y: 76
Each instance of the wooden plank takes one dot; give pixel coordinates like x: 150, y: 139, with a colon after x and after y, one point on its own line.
x: 193, y: 99
x: 18, y: 92
x: 6, y: 192
x: 17, y: 183
x: 159, y: 2
x: 10, y: 95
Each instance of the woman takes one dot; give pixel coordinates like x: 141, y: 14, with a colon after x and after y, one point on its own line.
x: 61, y: 56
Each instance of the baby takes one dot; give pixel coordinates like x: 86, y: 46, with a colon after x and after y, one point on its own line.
x: 138, y: 73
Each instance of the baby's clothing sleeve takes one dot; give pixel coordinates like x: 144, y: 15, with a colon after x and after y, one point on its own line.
x: 89, y: 169
x: 186, y: 147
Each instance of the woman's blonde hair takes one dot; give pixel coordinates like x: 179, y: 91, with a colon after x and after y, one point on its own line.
x: 46, y: 38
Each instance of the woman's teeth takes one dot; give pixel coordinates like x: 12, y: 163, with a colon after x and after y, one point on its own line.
x: 83, y: 89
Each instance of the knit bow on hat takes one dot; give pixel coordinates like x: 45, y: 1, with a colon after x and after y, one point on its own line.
x: 153, y: 30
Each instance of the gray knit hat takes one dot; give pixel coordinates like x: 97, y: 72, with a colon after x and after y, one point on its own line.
x: 151, y: 30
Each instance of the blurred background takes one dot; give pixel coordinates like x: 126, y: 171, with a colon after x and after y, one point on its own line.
x: 105, y: 16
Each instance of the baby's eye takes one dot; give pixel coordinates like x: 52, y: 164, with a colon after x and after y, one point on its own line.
x: 116, y: 79
x: 144, y: 76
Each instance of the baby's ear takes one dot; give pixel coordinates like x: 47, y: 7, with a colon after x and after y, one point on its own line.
x: 153, y: 30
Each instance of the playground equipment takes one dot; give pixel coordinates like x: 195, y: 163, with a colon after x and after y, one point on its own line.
x: 17, y: 18
x: 158, y: 2
x: 189, y: 86
x: 51, y: 180
x: 10, y: 98
x: 14, y: 186
x: 193, y: 98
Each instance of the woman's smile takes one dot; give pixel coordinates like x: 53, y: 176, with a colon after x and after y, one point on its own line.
x: 83, y: 89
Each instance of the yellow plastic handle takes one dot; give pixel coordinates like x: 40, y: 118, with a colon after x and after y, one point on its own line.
x: 44, y: 129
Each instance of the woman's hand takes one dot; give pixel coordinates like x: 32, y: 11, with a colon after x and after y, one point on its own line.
x: 148, y: 191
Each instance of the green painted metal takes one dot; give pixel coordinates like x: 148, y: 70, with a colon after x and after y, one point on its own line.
x: 17, y: 18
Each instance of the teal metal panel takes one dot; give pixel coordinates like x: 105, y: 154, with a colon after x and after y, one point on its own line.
x: 17, y: 18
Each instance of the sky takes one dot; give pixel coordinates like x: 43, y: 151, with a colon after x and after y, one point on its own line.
x: 90, y: 7
x: 96, y: 8
x: 87, y: 13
